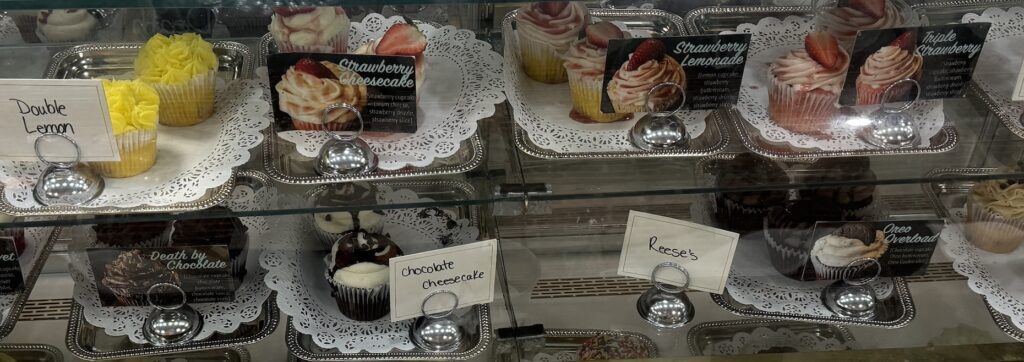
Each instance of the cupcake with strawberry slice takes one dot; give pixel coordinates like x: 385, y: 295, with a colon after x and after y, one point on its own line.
x: 310, y: 29
x: 888, y: 65
x: 401, y: 39
x: 584, y: 63
x: 308, y: 87
x: 546, y: 29
x: 648, y: 66
x: 806, y: 83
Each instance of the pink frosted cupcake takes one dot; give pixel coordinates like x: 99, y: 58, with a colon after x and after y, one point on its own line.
x: 400, y: 39
x: 546, y: 30
x: 648, y: 66
x: 888, y: 65
x: 584, y: 63
x: 806, y: 83
x: 309, y: 29
x: 845, y: 21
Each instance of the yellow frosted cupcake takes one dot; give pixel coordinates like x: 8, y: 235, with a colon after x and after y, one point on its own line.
x: 545, y: 31
x: 134, y: 108
x: 183, y: 70
x: 584, y: 63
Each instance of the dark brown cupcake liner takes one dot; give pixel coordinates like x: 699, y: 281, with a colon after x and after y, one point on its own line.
x: 786, y: 259
x: 361, y: 304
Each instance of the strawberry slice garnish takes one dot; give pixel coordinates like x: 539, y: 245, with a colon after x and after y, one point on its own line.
x: 823, y: 48
x: 402, y: 39
x: 599, y: 33
x: 552, y: 7
x: 650, y: 49
x: 906, y: 41
x: 873, y: 8
x: 314, y: 68
x: 293, y: 10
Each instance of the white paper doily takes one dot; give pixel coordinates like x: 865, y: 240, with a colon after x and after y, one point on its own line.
x: 217, y: 317
x: 763, y: 338
x: 296, y: 272
x: 542, y: 110
x: 190, y: 160
x: 1000, y: 59
x: 561, y: 356
x: 462, y: 84
x: 34, y: 237
x: 771, y: 38
x: 995, y: 276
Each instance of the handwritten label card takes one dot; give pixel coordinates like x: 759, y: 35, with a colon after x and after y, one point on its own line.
x: 11, y: 279
x: 466, y: 270
x: 704, y: 251
x: 124, y: 275
x: 77, y: 108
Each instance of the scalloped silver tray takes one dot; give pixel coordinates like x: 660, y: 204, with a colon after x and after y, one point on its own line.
x: 720, y: 18
x: 31, y: 276
x: 714, y: 139
x: 563, y: 340
x: 303, y: 347
x: 707, y: 333
x: 32, y: 352
x: 285, y: 165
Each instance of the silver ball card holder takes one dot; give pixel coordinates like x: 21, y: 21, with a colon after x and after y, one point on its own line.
x: 173, y: 323
x: 663, y: 305
x: 345, y: 153
x: 68, y: 182
x: 660, y: 130
x: 438, y: 332
x: 893, y: 127
x: 852, y: 296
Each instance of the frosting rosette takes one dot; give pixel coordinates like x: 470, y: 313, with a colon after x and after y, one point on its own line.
x: 304, y: 95
x: 545, y: 32
x: 133, y: 105
x: 584, y: 63
x: 888, y: 65
x: 628, y: 88
x: 798, y: 70
x: 322, y: 29
x: 832, y: 253
x: 995, y: 215
x: 174, y: 59
x: 844, y: 22
x: 370, y: 48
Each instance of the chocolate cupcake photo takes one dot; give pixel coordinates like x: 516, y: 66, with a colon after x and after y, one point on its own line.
x: 131, y: 274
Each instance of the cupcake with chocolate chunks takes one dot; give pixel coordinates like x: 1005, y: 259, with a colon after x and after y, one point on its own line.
x: 357, y: 270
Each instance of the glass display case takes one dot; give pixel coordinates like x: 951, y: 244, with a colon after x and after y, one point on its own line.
x: 511, y: 181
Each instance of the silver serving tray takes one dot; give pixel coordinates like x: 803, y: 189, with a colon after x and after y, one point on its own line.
x: 303, y: 347
x: 707, y: 333
x: 32, y: 352
x: 285, y: 165
x: 712, y: 20
x: 561, y: 340
x: 714, y: 139
x: 940, y: 194
x: 31, y: 276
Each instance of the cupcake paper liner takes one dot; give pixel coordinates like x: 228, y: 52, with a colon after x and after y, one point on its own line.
x: 338, y: 44
x: 800, y: 112
x: 867, y: 95
x: 992, y: 232
x: 361, y: 304
x: 138, y: 154
x: 828, y: 272
x: 343, y: 125
x: 738, y: 217
x: 187, y: 103
x: 786, y: 259
x: 542, y: 62
x: 586, y: 98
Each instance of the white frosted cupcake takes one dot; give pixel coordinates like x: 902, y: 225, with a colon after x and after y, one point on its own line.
x: 310, y: 29
x: 332, y: 225
x: 65, y: 25
x: 832, y: 254
x: 357, y: 270
x: 546, y: 30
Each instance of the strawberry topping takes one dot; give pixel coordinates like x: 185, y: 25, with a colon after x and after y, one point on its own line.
x: 905, y: 41
x: 552, y: 7
x: 293, y: 10
x: 824, y: 49
x: 402, y: 39
x: 650, y: 49
x: 599, y: 33
x: 873, y: 8
x: 314, y: 68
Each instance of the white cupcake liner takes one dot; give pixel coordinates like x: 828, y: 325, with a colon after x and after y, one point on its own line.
x: 828, y: 272
x: 992, y: 232
x: 338, y: 45
x: 804, y: 112
x: 586, y: 98
x: 542, y: 62
x: 187, y: 103
x: 361, y: 304
x: 130, y: 144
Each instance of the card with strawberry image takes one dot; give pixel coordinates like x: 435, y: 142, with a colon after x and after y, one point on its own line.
x: 940, y: 58
x: 702, y: 72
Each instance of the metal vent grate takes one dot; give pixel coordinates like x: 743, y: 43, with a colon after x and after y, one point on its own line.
x: 45, y: 310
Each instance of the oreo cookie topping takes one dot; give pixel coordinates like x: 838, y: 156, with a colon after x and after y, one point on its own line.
x: 361, y: 246
x: 134, y: 273
x: 352, y: 193
x: 863, y: 232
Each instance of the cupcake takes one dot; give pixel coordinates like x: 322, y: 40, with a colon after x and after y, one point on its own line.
x: 787, y: 232
x: 845, y: 21
x: 131, y: 274
x: 995, y: 215
x: 546, y: 29
x: 832, y: 253
x: 890, y: 64
x: 647, y: 67
x: 854, y: 201
x: 332, y: 225
x: 183, y: 70
x: 172, y: 21
x: 245, y: 21
x: 216, y: 231
x: 584, y: 64
x: 310, y: 29
x: 609, y: 346
x: 744, y: 211
x: 806, y: 83
x: 65, y: 25
x: 309, y: 87
x: 400, y: 39
x: 16, y: 234
x: 134, y: 108
x: 147, y: 234
x: 357, y: 270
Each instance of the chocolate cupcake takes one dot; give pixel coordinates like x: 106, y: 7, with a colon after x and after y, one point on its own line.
x: 357, y: 270
x: 608, y: 346
x: 245, y: 21
x: 787, y: 231
x: 217, y: 231
x: 331, y: 225
x: 147, y: 234
x: 130, y: 276
x: 854, y: 201
x: 744, y: 211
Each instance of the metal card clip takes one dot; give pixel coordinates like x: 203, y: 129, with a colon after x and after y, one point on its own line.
x: 438, y: 332
x: 65, y: 183
x: 664, y: 305
x: 344, y: 154
x: 852, y: 297
x: 660, y: 130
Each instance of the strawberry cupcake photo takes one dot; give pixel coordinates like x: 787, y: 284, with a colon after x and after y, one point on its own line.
x: 806, y: 84
x: 890, y: 64
x: 648, y: 66
x: 309, y: 87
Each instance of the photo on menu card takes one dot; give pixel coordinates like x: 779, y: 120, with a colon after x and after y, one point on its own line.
x: 941, y: 59
x: 902, y: 248
x: 709, y: 69
x: 124, y: 276
x: 381, y: 88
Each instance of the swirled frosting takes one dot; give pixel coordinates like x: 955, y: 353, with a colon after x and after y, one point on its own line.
x: 304, y: 96
x: 362, y: 275
x: 557, y: 30
x: 888, y: 65
x: 133, y: 105
x: 311, y: 28
x: 585, y: 59
x: 798, y: 69
x: 631, y: 86
x: 370, y: 48
x: 1001, y: 197
x: 844, y: 22
x: 174, y: 59
x: 64, y: 24
x: 839, y: 251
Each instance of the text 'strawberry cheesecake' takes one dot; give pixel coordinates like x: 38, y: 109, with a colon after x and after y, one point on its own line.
x: 845, y: 21
x: 310, y: 29
x: 888, y: 65
x: 309, y: 87
x: 806, y: 83
x: 546, y: 30
x: 400, y: 39
x: 584, y: 63
x: 648, y: 66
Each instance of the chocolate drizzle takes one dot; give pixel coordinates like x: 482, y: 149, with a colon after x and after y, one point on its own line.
x: 361, y: 246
